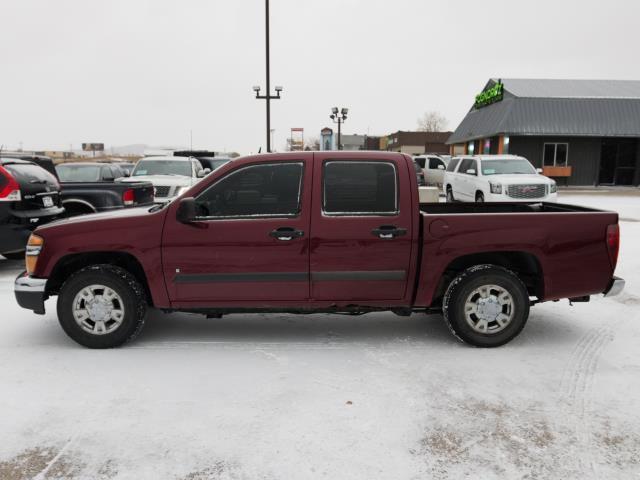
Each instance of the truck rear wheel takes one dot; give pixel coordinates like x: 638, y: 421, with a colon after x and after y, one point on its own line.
x: 486, y: 306
x: 102, y: 306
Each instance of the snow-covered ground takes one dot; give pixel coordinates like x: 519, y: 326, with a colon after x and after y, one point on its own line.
x: 336, y: 397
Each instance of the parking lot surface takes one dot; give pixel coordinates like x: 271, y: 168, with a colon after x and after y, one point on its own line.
x: 320, y: 396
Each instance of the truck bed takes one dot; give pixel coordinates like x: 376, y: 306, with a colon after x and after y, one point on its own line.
x: 566, y: 245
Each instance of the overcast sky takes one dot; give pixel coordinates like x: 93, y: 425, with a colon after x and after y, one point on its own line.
x: 149, y: 71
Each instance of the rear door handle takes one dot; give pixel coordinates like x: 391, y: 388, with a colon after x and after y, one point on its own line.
x: 286, y: 233
x: 388, y: 232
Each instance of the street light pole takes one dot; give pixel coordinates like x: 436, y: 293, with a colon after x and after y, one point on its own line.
x: 268, y: 97
x: 339, y: 116
x: 266, y: 29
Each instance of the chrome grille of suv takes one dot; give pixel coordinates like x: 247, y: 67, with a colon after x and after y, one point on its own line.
x: 527, y: 191
x: 162, y: 191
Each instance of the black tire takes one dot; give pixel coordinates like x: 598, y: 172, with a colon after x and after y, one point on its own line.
x: 450, y: 198
x: 13, y: 255
x: 462, y: 288
x: 479, y: 197
x: 120, y: 281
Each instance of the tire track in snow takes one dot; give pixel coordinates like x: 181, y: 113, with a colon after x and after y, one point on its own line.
x: 577, y: 392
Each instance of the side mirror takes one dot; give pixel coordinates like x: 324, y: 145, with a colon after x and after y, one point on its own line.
x: 203, y: 173
x: 538, y: 170
x: 440, y: 167
x: 471, y: 171
x: 186, y: 212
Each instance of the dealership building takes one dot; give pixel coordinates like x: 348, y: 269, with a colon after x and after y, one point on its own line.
x: 581, y: 132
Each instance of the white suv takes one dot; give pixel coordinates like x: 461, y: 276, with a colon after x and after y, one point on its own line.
x: 496, y: 178
x: 433, y: 167
x: 170, y: 176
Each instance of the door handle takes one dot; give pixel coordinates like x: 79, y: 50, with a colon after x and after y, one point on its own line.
x: 286, y: 233
x: 388, y: 232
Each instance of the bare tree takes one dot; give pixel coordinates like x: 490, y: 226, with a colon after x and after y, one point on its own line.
x: 432, y: 122
x: 312, y: 143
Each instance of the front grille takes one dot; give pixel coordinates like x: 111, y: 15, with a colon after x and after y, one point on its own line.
x: 527, y: 191
x: 162, y: 191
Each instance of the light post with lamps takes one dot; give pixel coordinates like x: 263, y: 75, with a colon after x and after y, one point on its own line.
x: 339, y: 117
x: 268, y: 97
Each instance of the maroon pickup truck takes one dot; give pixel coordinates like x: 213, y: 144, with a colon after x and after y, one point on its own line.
x: 337, y: 232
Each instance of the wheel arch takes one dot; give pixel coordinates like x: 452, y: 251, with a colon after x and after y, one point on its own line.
x: 70, y: 264
x: 525, y: 265
x: 78, y: 204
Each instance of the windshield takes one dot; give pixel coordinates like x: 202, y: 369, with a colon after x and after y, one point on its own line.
x: 162, y: 167
x: 508, y: 167
x: 78, y: 173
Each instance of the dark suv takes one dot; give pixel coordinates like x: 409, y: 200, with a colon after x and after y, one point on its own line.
x: 29, y: 197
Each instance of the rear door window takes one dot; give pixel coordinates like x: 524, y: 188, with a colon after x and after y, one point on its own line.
x: 453, y: 164
x: 434, y: 163
x: 268, y: 190
x: 360, y: 188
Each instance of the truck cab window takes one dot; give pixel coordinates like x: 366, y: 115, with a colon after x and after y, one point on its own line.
x: 360, y: 188
x: 268, y: 190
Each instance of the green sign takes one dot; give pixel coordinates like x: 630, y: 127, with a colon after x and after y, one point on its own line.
x: 493, y: 95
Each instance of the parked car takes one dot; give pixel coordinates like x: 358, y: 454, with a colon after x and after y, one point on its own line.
x: 305, y: 232
x: 91, y: 187
x: 433, y: 167
x: 497, y: 178
x: 29, y: 196
x: 170, y: 176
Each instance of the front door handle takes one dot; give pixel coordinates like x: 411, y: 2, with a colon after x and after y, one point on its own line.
x: 286, y: 233
x: 388, y: 232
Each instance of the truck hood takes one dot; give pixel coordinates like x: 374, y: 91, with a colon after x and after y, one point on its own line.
x: 519, y: 179
x: 164, y: 180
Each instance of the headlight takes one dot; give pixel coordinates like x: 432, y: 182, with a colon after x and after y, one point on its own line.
x: 34, y: 247
x: 553, y: 188
x: 181, y: 190
x: 495, y: 187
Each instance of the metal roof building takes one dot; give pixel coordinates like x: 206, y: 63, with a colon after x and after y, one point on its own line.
x: 585, y: 131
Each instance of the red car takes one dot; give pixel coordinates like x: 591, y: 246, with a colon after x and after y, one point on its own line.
x: 311, y: 232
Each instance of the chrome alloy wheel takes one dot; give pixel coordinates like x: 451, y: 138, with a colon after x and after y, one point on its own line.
x: 98, y: 309
x: 489, y: 309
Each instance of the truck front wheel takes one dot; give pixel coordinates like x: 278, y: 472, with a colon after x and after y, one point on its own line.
x: 486, y: 306
x: 102, y: 306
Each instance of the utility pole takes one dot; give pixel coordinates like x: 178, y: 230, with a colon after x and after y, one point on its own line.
x: 268, y: 97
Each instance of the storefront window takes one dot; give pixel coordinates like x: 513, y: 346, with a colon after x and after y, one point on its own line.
x: 556, y: 154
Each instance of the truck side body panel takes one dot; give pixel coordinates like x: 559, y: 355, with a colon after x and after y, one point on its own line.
x: 132, y: 231
x: 570, y: 247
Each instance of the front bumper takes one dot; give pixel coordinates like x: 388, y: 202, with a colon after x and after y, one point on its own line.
x: 616, y: 285
x: 502, y: 197
x: 30, y: 292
